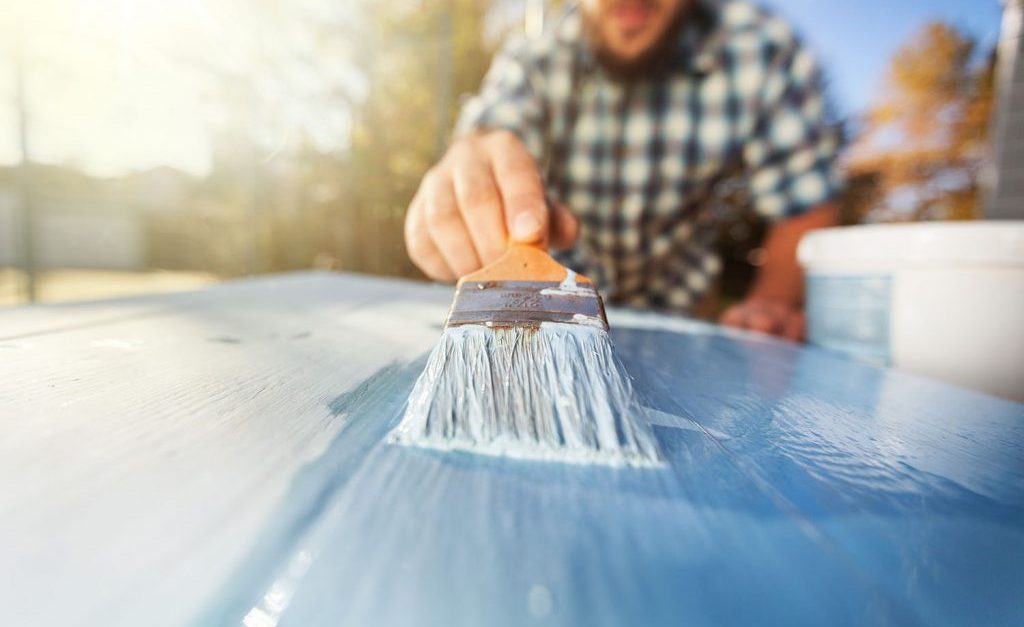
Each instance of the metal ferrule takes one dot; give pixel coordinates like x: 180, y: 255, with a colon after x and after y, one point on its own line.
x: 526, y: 303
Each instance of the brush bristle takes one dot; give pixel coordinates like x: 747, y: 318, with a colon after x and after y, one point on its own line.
x: 556, y: 392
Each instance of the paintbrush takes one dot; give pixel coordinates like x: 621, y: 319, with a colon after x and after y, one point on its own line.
x: 525, y: 368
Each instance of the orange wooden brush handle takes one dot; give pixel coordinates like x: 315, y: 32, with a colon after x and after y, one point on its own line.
x: 522, y: 262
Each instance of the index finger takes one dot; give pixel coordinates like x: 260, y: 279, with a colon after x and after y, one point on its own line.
x: 521, y: 188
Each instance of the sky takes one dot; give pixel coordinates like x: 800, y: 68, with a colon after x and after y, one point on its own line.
x: 854, y: 39
x: 118, y: 105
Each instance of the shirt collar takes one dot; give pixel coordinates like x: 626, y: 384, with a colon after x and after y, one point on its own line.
x: 699, y: 46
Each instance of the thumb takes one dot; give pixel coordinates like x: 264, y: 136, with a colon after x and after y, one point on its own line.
x: 528, y: 226
x: 565, y: 227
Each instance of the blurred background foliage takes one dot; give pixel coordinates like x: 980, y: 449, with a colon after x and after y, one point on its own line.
x: 922, y: 146
x: 316, y: 120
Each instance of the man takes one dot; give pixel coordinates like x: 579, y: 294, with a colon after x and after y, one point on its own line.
x: 605, y: 137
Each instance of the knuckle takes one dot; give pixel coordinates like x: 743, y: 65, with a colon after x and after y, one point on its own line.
x: 439, y: 211
x: 433, y: 273
x: 414, y: 208
x: 416, y: 247
x: 467, y: 263
x: 427, y: 261
x: 437, y: 206
x: 503, y: 139
x: 525, y: 201
x: 461, y: 150
x: 426, y: 183
x: 437, y: 177
x: 412, y: 226
x: 488, y: 241
x: 478, y: 193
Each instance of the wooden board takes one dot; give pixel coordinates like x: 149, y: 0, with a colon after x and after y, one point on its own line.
x: 216, y: 457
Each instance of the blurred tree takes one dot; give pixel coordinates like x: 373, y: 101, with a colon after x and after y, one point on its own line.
x: 288, y: 192
x: 420, y: 55
x: 320, y: 116
x: 923, y: 144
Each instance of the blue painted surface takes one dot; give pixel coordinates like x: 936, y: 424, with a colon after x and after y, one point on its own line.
x: 801, y: 489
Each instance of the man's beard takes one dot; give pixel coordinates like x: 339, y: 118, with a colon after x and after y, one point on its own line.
x: 651, y: 63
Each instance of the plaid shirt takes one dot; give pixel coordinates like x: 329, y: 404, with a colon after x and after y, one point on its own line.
x: 638, y: 161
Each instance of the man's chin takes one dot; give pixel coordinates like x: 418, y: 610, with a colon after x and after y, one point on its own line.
x: 631, y: 54
x: 633, y: 60
x: 631, y: 65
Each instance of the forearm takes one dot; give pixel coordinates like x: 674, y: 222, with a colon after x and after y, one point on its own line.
x: 779, y: 278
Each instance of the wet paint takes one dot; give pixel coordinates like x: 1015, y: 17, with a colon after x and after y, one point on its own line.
x: 134, y: 482
x: 207, y: 483
x: 799, y: 488
x: 293, y: 534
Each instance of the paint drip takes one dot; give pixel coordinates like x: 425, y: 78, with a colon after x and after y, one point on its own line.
x: 556, y: 392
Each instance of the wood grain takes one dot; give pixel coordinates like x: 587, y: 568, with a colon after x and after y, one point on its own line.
x: 218, y: 457
x: 144, y: 441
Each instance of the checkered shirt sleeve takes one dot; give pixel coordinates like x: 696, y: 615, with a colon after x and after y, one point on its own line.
x: 638, y: 161
x: 791, y: 155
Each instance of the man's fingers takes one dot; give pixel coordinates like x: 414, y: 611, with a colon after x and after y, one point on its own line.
x: 445, y: 225
x: 521, y: 188
x: 751, y: 316
x: 479, y: 203
x: 774, y: 318
x: 794, y: 326
x: 733, y: 317
x: 565, y: 227
x: 761, y: 319
x: 419, y: 245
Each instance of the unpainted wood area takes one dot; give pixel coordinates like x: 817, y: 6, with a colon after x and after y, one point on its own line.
x: 147, y: 439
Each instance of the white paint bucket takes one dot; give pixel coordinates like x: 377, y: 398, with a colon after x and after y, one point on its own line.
x: 943, y: 299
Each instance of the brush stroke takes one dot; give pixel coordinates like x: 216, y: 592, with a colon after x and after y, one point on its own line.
x: 775, y: 506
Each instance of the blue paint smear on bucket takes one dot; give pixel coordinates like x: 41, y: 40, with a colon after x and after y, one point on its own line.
x: 851, y: 314
x: 800, y: 489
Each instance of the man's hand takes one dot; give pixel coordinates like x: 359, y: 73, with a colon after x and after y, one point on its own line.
x: 774, y: 304
x: 767, y: 316
x: 484, y: 193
